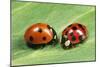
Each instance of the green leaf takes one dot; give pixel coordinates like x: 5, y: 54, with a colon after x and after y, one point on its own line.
x: 58, y: 16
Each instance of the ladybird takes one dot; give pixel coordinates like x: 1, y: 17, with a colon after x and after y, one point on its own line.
x: 73, y: 34
x: 39, y: 35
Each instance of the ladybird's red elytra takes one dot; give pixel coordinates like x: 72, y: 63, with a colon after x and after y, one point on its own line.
x: 73, y: 34
x: 40, y: 34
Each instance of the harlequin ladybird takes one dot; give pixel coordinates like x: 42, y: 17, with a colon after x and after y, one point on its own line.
x: 40, y: 35
x: 73, y: 34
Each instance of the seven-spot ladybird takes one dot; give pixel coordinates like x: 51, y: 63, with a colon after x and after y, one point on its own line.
x: 72, y: 35
x: 40, y: 35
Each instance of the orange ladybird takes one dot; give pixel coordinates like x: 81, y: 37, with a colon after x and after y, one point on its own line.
x: 39, y: 35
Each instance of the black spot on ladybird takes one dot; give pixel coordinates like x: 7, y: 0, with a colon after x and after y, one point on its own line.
x: 31, y: 38
x: 74, y: 28
x: 73, y: 38
x: 44, y: 38
x: 80, y: 26
x: 40, y: 30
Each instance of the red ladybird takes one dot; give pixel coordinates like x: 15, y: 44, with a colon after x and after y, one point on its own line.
x: 39, y: 35
x: 73, y: 34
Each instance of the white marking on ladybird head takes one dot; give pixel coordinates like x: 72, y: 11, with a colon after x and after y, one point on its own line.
x: 67, y: 43
x: 80, y: 32
x: 36, y: 29
x: 71, y: 31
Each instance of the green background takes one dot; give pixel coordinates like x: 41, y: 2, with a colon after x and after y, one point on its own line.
x: 58, y: 16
